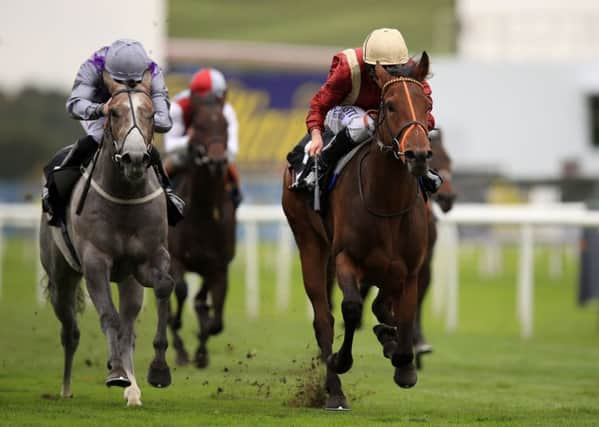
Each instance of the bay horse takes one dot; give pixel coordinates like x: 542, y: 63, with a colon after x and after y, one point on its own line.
x: 374, y: 230
x: 444, y: 197
x: 204, y: 241
x: 118, y: 235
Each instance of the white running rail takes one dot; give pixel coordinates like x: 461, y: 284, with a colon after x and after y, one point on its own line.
x: 446, y: 295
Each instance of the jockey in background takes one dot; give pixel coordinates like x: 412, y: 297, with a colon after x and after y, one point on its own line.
x: 126, y: 62
x: 350, y: 90
x: 207, y: 81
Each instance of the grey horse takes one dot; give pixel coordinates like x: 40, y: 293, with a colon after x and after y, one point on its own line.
x: 120, y: 235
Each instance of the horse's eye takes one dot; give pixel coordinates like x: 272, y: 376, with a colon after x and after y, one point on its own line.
x: 390, y: 107
x: 114, y: 113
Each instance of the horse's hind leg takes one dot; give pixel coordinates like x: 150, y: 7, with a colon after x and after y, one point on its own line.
x: 351, y: 307
x: 313, y: 256
x: 175, y: 322
x: 64, y: 301
x: 130, y: 301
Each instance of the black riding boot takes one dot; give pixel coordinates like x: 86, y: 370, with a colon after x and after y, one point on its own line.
x: 339, y: 146
x: 174, y: 203
x: 62, y: 173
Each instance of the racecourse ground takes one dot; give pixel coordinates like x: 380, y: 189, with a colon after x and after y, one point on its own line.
x: 482, y: 375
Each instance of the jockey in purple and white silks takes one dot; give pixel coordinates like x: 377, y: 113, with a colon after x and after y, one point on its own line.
x: 126, y: 62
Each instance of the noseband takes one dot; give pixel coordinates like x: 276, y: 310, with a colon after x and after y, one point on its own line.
x: 118, y: 146
x: 397, y: 146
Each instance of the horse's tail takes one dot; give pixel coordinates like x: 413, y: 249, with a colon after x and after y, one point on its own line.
x: 50, y: 290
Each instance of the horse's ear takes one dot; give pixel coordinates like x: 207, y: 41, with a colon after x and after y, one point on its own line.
x: 381, y: 76
x: 422, y: 69
x: 146, y: 80
x: 109, y: 82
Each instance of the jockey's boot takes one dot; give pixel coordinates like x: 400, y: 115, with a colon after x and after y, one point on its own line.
x: 62, y: 173
x: 431, y: 181
x: 235, y: 191
x: 341, y: 144
x: 174, y: 203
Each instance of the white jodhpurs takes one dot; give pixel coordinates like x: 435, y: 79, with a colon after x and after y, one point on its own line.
x: 359, y: 125
x: 94, y: 128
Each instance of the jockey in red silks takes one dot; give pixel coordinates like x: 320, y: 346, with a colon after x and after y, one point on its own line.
x: 350, y: 90
x: 204, y: 82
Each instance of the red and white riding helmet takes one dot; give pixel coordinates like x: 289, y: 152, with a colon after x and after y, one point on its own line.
x: 209, y: 81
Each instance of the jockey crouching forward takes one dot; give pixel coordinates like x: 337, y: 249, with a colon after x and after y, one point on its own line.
x: 341, y: 103
x: 126, y: 61
x: 207, y: 81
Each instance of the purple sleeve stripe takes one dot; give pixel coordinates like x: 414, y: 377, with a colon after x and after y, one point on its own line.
x: 154, y: 69
x: 98, y: 59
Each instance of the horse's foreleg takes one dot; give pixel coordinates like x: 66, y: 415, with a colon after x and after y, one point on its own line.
x: 202, y: 310
x: 175, y: 321
x: 130, y: 301
x: 218, y: 291
x: 97, y: 277
x: 404, y: 311
x: 351, y: 307
x: 155, y: 274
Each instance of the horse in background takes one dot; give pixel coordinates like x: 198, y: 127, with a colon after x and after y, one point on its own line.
x: 118, y: 235
x: 204, y: 241
x: 374, y: 234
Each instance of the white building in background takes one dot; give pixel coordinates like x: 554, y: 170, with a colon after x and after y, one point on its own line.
x: 525, y: 30
x: 42, y: 43
x: 522, y: 96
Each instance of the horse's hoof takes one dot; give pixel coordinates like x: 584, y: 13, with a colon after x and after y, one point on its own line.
x: 337, y: 403
x: 406, y: 376
x: 338, y: 365
x: 182, y: 358
x: 215, y: 328
x: 384, y: 333
x: 117, y: 378
x: 423, y: 348
x: 201, y: 359
x: 159, y: 374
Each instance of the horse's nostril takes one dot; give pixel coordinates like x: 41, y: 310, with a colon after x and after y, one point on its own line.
x: 126, y: 158
x: 429, y: 155
x: 410, y: 155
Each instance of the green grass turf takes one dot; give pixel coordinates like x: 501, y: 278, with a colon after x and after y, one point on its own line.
x: 426, y: 24
x: 484, y: 374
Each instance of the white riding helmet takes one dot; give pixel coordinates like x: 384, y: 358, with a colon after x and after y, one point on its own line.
x: 126, y: 60
x: 387, y: 46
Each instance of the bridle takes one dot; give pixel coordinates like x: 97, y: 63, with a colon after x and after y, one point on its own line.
x: 398, y: 141
x: 118, y: 146
x: 397, y: 146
